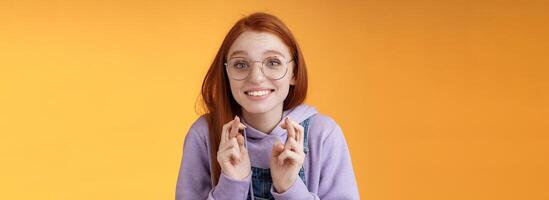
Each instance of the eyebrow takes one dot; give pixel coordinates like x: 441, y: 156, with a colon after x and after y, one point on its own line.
x: 246, y: 53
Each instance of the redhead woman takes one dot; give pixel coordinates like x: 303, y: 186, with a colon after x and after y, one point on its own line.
x: 258, y: 140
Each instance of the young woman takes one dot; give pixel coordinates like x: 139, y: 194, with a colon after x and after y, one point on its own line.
x: 258, y: 140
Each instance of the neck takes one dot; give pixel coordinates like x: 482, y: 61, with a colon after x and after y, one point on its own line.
x: 264, y: 122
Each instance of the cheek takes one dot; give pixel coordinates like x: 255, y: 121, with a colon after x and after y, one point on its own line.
x: 284, y: 93
x: 235, y: 90
x: 283, y: 89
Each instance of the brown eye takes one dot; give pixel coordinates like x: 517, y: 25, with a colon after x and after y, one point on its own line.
x: 273, y: 62
x: 240, y: 65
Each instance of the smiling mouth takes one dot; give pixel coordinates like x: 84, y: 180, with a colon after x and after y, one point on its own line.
x: 258, y: 93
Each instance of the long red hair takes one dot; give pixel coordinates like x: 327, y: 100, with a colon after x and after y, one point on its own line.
x: 219, y: 104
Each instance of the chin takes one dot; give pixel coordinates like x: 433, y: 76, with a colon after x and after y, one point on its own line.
x: 256, y: 108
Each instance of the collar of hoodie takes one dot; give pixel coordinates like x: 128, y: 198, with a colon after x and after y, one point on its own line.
x: 297, y: 114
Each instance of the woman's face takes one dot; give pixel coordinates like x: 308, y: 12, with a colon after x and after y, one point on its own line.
x: 257, y: 93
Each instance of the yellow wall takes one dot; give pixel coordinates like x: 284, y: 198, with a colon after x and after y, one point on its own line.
x: 437, y: 99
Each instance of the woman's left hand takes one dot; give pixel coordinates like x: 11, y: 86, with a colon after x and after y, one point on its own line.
x: 287, y: 159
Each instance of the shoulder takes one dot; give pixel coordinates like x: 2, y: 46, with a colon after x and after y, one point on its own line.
x: 322, y: 127
x: 199, y: 129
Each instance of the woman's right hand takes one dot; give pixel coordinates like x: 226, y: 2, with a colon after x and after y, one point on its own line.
x: 232, y: 155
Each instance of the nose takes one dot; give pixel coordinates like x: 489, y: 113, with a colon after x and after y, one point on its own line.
x: 256, y: 75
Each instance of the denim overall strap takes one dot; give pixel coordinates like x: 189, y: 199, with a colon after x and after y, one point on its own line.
x: 261, y: 178
x: 305, y: 125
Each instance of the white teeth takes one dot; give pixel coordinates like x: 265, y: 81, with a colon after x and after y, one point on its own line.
x: 258, y: 93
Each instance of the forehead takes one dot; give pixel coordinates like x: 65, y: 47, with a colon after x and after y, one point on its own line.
x: 258, y: 44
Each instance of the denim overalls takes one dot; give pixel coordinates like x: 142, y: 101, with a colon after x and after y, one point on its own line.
x: 261, y: 178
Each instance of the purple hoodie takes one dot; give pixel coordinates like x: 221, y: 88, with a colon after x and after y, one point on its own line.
x: 328, y: 168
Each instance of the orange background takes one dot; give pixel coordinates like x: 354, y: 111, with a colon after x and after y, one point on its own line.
x: 437, y: 99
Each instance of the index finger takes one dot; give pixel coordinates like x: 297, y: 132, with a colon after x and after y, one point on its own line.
x: 298, y: 131
x: 225, y: 132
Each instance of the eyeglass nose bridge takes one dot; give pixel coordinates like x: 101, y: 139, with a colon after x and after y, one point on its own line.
x: 261, y: 68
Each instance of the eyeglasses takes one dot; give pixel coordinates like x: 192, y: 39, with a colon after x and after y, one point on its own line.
x: 274, y: 68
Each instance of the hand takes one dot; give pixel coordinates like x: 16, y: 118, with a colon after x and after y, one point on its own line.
x: 287, y: 159
x: 232, y: 155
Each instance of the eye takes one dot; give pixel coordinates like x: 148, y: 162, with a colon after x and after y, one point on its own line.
x: 273, y: 62
x: 240, y: 65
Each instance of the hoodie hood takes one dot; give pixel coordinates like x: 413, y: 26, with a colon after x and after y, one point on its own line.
x: 297, y: 114
x: 260, y: 144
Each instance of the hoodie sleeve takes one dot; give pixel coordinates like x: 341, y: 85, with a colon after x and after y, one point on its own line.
x: 337, y: 178
x: 194, y: 180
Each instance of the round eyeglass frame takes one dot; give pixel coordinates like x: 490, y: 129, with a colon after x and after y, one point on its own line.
x: 262, y: 66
